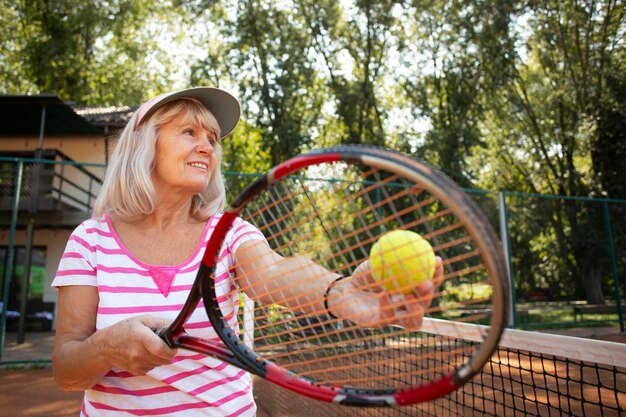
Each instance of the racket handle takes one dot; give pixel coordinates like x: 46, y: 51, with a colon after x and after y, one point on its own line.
x: 165, y: 334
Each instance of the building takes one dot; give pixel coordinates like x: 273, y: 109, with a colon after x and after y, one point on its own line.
x: 56, y: 154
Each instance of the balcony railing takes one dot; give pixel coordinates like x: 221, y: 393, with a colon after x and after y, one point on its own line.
x: 49, y: 182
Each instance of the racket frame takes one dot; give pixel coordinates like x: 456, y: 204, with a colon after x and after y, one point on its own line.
x: 232, y: 349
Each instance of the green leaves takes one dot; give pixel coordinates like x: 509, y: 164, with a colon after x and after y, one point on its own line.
x: 89, y: 52
x: 496, y: 93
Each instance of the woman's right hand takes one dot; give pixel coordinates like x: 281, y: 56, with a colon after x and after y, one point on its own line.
x: 83, y: 355
x: 133, y: 345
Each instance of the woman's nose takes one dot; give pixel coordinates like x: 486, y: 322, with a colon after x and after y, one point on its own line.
x: 205, y: 145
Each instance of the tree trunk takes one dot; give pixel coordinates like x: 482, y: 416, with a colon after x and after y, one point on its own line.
x: 591, y: 279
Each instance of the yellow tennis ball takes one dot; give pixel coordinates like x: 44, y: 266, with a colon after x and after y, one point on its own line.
x: 400, y: 260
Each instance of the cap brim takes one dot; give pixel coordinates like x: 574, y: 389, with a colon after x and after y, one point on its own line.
x: 222, y: 105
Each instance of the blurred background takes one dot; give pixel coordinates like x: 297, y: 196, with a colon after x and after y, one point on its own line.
x: 523, y: 103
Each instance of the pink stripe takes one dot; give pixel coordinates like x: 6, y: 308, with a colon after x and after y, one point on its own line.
x: 223, y: 254
x: 142, y: 309
x: 110, y: 251
x: 221, y: 277
x: 241, y: 410
x: 138, y: 309
x: 123, y: 270
x: 153, y: 411
x: 194, y: 357
x: 177, y: 358
x: 253, y: 232
x: 197, y: 371
x: 241, y: 225
x: 233, y: 396
x: 140, y: 290
x: 219, y: 383
x: 224, y: 298
x: 187, y: 374
x: 198, y: 325
x: 97, y: 231
x: 138, y: 393
x: 67, y: 255
x: 83, y: 243
x: 191, y: 268
x: 88, y: 272
x: 97, y: 248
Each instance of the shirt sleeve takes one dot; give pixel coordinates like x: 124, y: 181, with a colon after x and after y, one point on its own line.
x: 78, y: 264
x: 242, y: 231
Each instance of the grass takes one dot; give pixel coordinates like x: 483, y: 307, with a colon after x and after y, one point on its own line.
x: 559, y: 316
x: 25, y: 364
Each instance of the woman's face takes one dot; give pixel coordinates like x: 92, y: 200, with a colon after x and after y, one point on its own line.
x: 185, y: 157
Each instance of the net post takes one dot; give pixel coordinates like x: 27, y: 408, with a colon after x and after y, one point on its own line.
x: 8, y: 271
x: 506, y: 249
x: 609, y: 238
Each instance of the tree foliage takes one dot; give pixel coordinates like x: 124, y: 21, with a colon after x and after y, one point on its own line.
x: 464, y: 52
x: 545, y: 123
x: 88, y: 52
x: 527, y: 96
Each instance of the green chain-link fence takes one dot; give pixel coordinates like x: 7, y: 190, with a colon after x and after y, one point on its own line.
x: 566, y: 254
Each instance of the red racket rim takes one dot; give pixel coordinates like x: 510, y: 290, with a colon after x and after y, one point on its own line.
x: 440, y: 186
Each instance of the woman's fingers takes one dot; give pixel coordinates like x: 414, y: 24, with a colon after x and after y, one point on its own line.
x: 133, y: 345
x: 385, y: 308
x: 153, y: 343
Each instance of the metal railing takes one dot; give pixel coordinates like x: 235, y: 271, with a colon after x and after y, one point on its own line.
x: 52, y: 182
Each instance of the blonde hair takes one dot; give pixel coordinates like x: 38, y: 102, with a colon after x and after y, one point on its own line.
x: 128, y: 191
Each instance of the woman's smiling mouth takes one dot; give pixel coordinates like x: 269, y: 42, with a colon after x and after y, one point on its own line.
x: 200, y: 165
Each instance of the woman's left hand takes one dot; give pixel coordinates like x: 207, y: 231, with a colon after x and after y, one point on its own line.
x: 360, y: 299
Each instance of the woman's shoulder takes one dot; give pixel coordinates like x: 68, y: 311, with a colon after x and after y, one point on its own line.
x: 237, y: 222
x: 93, y: 226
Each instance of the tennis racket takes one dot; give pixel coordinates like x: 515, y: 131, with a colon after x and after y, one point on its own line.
x: 331, y: 206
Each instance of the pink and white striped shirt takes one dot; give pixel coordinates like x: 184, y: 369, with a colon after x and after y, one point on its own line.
x: 193, y: 384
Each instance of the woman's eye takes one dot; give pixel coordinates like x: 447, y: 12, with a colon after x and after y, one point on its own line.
x: 188, y: 132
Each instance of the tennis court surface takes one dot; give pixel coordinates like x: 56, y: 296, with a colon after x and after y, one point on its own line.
x: 531, y: 375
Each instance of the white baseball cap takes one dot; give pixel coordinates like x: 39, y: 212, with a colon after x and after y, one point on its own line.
x: 222, y: 105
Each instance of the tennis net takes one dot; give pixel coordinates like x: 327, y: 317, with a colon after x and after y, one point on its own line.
x: 532, y: 374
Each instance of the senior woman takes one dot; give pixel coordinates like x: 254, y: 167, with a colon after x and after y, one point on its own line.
x: 127, y: 270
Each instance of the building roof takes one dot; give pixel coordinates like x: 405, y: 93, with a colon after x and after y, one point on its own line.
x: 22, y: 115
x: 101, y: 116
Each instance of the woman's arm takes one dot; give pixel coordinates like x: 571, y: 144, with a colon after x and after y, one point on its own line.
x: 82, y: 355
x: 299, y: 283
x: 269, y: 278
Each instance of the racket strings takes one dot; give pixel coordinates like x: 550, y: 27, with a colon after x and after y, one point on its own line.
x: 335, y: 223
x: 350, y: 249
x: 373, y: 344
x: 373, y: 286
x: 370, y: 288
x: 307, y: 343
x: 341, y: 237
x: 378, y: 366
